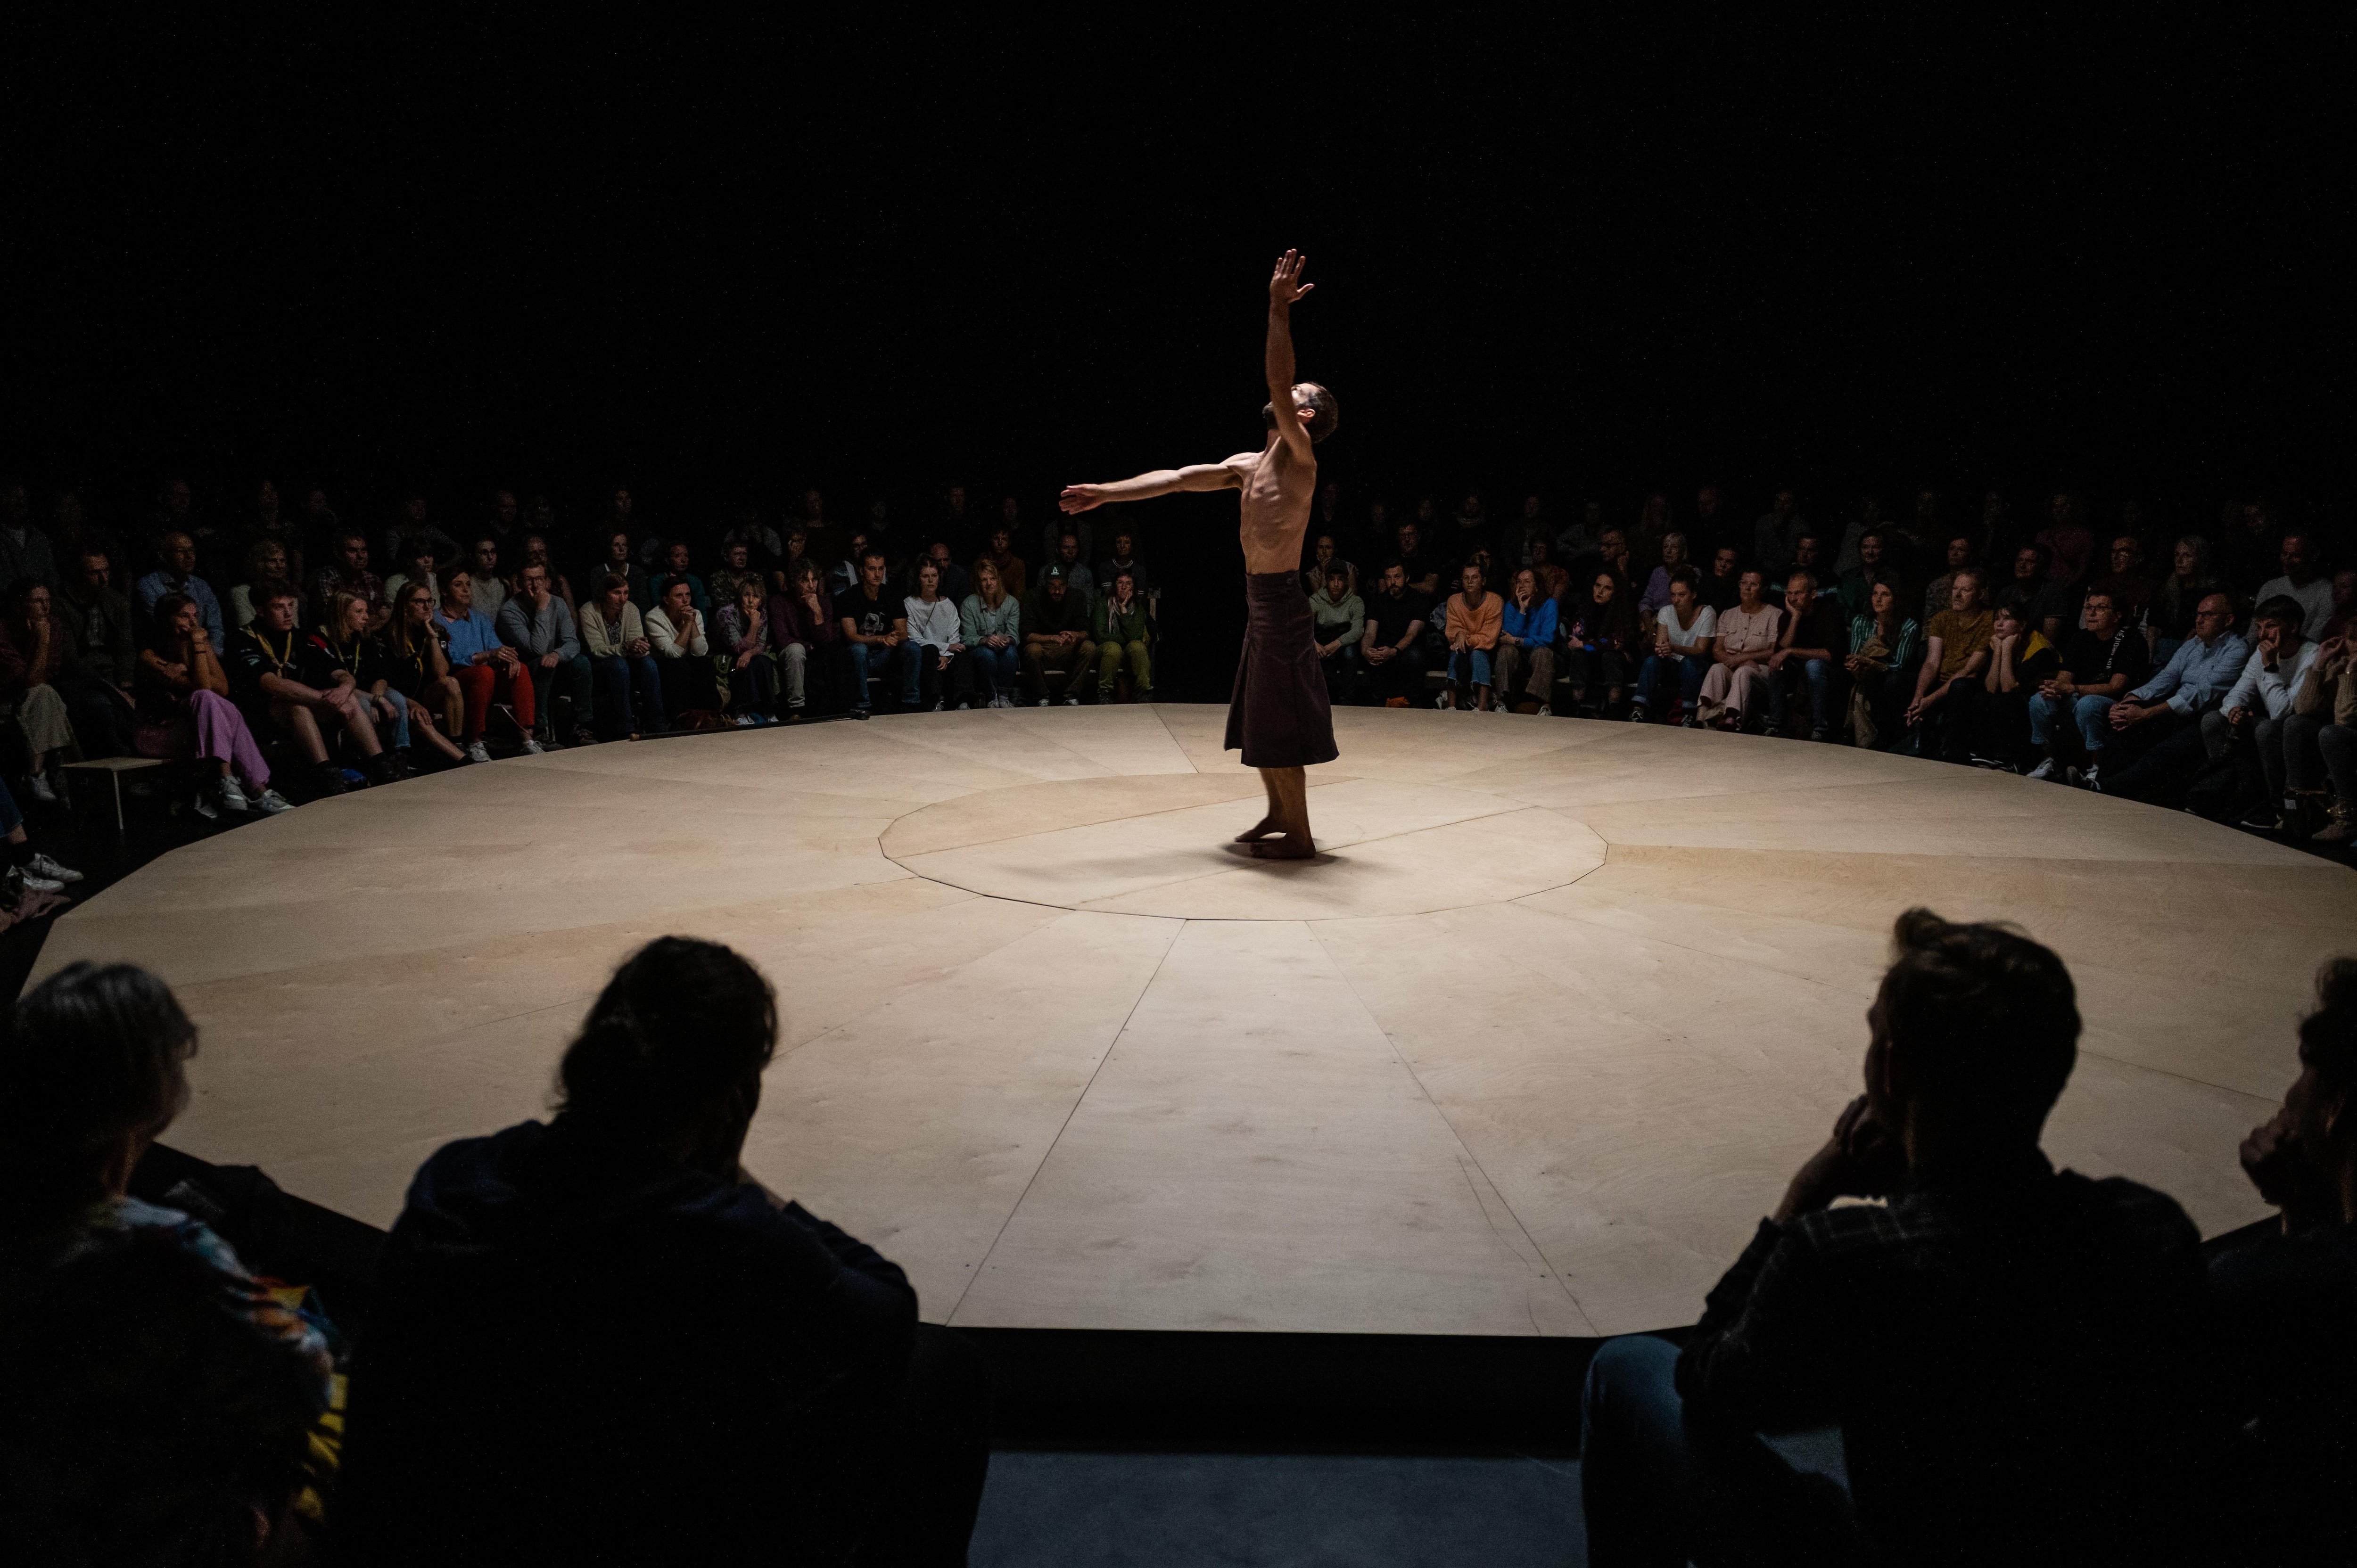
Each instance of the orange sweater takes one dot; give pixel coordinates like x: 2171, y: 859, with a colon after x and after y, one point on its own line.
x: 1478, y: 628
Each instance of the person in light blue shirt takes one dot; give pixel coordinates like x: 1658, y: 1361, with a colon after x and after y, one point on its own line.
x: 178, y: 575
x: 2163, y: 722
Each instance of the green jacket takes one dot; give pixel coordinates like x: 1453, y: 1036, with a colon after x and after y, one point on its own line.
x: 1117, y: 627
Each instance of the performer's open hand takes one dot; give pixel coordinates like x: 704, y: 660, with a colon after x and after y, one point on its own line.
x: 1081, y: 497
x: 1284, y: 284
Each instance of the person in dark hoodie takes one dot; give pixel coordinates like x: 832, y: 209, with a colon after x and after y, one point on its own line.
x: 599, y: 1339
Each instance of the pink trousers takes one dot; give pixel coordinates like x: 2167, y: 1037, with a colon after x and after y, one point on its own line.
x: 211, y: 727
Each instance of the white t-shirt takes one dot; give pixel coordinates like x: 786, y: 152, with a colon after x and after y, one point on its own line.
x: 1706, y: 624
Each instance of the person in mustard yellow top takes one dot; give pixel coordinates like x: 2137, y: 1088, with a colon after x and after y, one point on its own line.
x: 1475, y: 614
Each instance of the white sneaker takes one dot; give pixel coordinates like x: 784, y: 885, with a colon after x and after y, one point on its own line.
x: 32, y: 882
x: 1043, y: 701
x: 205, y: 806
x: 1545, y: 711
x: 1072, y: 702
x: 2043, y: 770
x: 232, y: 795
x: 42, y: 792
x: 478, y: 752
x: 272, y: 802
x: 2094, y: 777
x: 744, y: 721
x: 531, y: 747
x: 1443, y: 704
x: 42, y: 866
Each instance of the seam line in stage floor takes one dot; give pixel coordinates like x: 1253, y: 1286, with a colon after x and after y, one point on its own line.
x: 949, y: 1318
x: 1465, y: 1149
x: 1066, y: 827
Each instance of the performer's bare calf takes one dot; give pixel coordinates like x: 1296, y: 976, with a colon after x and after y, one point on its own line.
x: 1283, y: 833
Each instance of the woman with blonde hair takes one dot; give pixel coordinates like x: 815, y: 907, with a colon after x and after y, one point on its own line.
x: 990, y: 623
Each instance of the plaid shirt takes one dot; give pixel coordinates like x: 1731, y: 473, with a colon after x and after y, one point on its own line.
x: 2000, y: 1351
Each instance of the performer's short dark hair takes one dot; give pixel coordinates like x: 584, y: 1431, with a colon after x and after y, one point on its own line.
x: 1329, y: 414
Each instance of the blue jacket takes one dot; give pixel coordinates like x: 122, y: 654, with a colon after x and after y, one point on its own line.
x: 1534, y: 628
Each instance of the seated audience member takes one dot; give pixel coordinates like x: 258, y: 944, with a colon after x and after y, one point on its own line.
x: 2069, y: 542
x: 1684, y: 631
x: 682, y: 650
x: 525, y: 1393
x: 1125, y: 634
x: 874, y: 625
x: 1078, y: 578
x: 1422, y: 569
x: 937, y: 667
x: 100, y: 621
x: 157, y: 1403
x: 1338, y: 619
x: 537, y: 625
x: 535, y: 554
x: 2020, y: 661
x: 2261, y: 698
x: 34, y: 884
x: 620, y: 560
x: 1600, y: 637
x: 59, y: 703
x: 1657, y: 587
x: 24, y: 550
x: 675, y: 570
x: 350, y: 652
x: 1955, y: 655
x: 629, y: 700
x: 736, y: 565
x: 1808, y: 555
x: 1854, y: 589
x: 1125, y: 559
x: 2005, y: 1347
x: 1732, y: 686
x: 2282, y: 1304
x: 1961, y: 553
x: 1524, y: 660
x: 2162, y: 725
x: 414, y: 658
x: 177, y: 575
x: 741, y: 629
x: 796, y: 551
x: 346, y: 571
x: 2102, y: 662
x: 1322, y: 555
x: 990, y: 624
x: 1881, y: 665
x: 2126, y: 580
x: 489, y: 674
x: 1722, y: 586
x: 1057, y: 653
x: 490, y: 585
x: 2177, y: 598
x: 1809, y: 647
x: 280, y: 678
x: 2046, y: 605
x: 954, y: 581
x: 184, y: 712
x: 412, y: 522
x: 1004, y: 561
x: 418, y: 564
x: 2344, y: 605
x: 1475, y: 616
x: 1554, y: 578
x: 265, y: 563
x: 2301, y: 582
x: 1613, y: 556
x: 805, y: 633
x: 2320, y: 736
x: 1390, y: 648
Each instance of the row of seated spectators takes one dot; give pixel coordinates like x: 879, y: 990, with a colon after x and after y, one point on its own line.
x: 503, y: 641
x: 599, y: 1339
x: 2234, y: 693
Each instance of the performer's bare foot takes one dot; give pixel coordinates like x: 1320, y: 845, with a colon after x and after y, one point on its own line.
x: 1289, y: 847
x: 1266, y: 827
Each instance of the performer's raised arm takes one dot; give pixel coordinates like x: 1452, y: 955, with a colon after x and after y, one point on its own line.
x: 1284, y: 286
x: 1160, y: 482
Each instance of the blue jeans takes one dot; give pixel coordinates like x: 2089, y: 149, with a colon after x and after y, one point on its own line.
x: 895, y: 667
x: 1659, y: 1486
x: 1819, y: 674
x: 623, y: 682
x: 2093, y: 715
x: 1001, y: 668
x: 1690, y: 678
x: 1481, y: 657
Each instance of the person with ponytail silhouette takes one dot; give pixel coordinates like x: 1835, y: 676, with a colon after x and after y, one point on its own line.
x: 600, y: 1338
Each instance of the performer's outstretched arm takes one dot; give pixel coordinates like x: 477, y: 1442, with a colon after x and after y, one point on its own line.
x: 1160, y: 482
x: 1284, y: 286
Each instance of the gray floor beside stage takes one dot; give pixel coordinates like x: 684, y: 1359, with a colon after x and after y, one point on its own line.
x: 1525, y: 1050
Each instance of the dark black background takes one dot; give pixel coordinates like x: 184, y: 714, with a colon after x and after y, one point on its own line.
x: 1874, y: 250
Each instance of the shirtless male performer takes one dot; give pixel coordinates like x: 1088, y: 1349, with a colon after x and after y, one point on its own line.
x: 1278, y: 716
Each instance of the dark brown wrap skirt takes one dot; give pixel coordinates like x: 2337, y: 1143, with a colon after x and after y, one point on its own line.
x: 1279, y: 714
